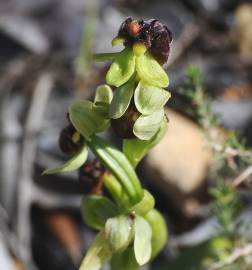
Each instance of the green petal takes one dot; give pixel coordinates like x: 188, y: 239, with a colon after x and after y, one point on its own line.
x: 136, y: 149
x: 150, y: 71
x: 104, y: 94
x: 85, y: 119
x: 117, y: 41
x: 96, y: 209
x: 149, y: 99
x: 142, y: 242
x: 139, y: 49
x: 121, y: 100
x: 98, y: 254
x: 146, y: 127
x: 118, y: 164
x: 71, y: 165
x: 118, y: 231
x: 145, y: 205
x: 159, y: 231
x: 102, y: 100
x: 122, y: 68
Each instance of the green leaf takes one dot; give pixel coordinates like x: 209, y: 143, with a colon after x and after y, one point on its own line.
x: 146, y: 126
x: 118, y: 164
x: 115, y: 189
x: 121, y: 100
x: 145, y: 205
x: 96, y: 210
x: 150, y: 71
x: 159, y: 231
x: 85, y: 119
x: 122, y: 68
x: 98, y: 254
x: 149, y: 99
x: 71, y: 165
x: 142, y: 242
x: 118, y: 231
x: 104, y: 94
x: 136, y: 149
x: 125, y: 260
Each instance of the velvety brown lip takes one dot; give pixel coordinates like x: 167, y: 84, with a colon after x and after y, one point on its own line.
x: 152, y: 33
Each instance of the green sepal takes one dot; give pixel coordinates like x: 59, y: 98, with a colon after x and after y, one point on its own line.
x: 159, y: 231
x: 122, y: 68
x: 125, y: 260
x: 119, y: 232
x: 145, y: 205
x: 71, y: 165
x: 117, y: 163
x: 121, y: 100
x: 96, y: 210
x: 98, y: 254
x: 136, y: 149
x: 150, y: 71
x: 146, y: 126
x: 85, y: 119
x: 142, y: 241
x: 149, y: 99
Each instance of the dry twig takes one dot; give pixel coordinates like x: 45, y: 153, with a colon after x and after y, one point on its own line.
x: 32, y: 127
x: 242, y: 177
x: 237, y: 254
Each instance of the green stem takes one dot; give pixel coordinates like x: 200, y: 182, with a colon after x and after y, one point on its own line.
x: 104, y: 56
x: 87, y: 43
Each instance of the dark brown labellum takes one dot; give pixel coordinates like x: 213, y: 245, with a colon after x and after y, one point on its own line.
x: 152, y: 33
x: 160, y: 41
x: 66, y: 143
x: 123, y: 126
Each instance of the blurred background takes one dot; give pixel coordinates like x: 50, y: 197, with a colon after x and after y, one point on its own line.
x: 46, y: 48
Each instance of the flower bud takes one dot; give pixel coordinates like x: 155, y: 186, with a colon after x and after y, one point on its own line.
x: 70, y: 141
x: 91, y: 175
x: 123, y: 126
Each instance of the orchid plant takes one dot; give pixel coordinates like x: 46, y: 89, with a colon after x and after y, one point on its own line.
x: 131, y: 232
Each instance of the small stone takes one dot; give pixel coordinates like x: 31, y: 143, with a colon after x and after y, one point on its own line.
x: 243, y: 31
x: 179, y: 164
